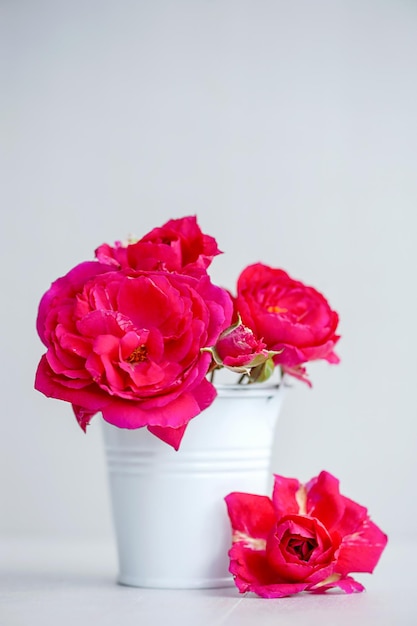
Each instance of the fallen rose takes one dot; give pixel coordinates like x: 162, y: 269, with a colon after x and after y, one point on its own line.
x: 130, y: 344
x: 306, y: 538
x: 293, y: 319
x: 177, y: 246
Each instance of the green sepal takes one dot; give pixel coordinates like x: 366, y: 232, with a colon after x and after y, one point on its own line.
x: 262, y: 372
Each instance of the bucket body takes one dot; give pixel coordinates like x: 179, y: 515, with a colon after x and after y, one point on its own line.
x: 169, y: 513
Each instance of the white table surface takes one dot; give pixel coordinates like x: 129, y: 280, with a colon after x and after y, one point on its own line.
x: 45, y: 582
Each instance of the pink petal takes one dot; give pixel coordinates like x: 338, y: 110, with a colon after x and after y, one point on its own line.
x: 289, y: 356
x: 83, y: 416
x: 333, y: 359
x: 251, y: 516
x: 220, y: 305
x: 194, y: 250
x: 324, y: 351
x: 152, y: 256
x: 174, y: 414
x: 320, y: 574
x: 159, y: 296
x: 62, y: 362
x: 204, y: 393
x: 299, y: 372
x: 278, y: 590
x: 361, y: 551
x: 324, y: 500
x: 89, y: 396
x: 250, y: 567
x: 70, y: 283
x: 130, y: 414
x: 148, y: 374
x: 99, y: 322
x: 171, y: 436
x: 284, y: 496
x: 75, y: 345
x: 348, y: 585
x: 352, y: 519
x: 107, y: 254
x: 288, y: 565
x: 252, y: 572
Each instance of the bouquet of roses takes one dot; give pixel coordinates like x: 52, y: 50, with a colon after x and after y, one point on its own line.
x: 135, y: 333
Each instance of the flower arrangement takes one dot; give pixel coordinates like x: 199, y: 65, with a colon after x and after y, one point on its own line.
x: 305, y: 538
x: 138, y: 335
x: 135, y: 333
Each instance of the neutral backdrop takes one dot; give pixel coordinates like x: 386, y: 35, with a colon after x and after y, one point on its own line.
x: 289, y: 129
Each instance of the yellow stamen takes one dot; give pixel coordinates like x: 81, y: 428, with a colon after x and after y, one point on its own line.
x: 138, y: 355
x: 275, y: 309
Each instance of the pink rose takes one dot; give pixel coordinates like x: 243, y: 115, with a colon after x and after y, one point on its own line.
x: 237, y: 348
x: 292, y: 318
x: 306, y: 538
x: 179, y: 246
x: 129, y: 344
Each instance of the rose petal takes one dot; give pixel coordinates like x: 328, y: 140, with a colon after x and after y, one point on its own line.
x: 193, y: 249
x: 348, y: 585
x: 287, y: 563
x: 284, y: 496
x: 175, y: 414
x: 83, y: 416
x: 353, y: 517
x: 89, y: 396
x: 252, y: 572
x: 324, y: 500
x: 70, y: 282
x: 278, y: 590
x: 130, y: 414
x: 252, y: 517
x: 171, y: 436
x: 361, y: 551
x: 156, y: 292
x: 204, y: 393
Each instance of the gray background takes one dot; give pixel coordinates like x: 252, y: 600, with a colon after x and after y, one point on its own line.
x: 289, y: 128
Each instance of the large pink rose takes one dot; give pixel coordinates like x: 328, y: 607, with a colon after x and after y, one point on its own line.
x: 179, y: 246
x: 290, y: 317
x: 306, y: 538
x: 129, y: 344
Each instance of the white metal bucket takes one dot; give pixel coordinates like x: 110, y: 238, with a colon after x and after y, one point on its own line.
x: 169, y: 513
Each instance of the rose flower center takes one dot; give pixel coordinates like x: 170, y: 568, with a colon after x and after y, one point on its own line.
x: 138, y: 355
x: 301, y: 547
x: 274, y: 308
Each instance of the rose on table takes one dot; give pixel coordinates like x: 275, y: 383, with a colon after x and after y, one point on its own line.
x: 305, y: 538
